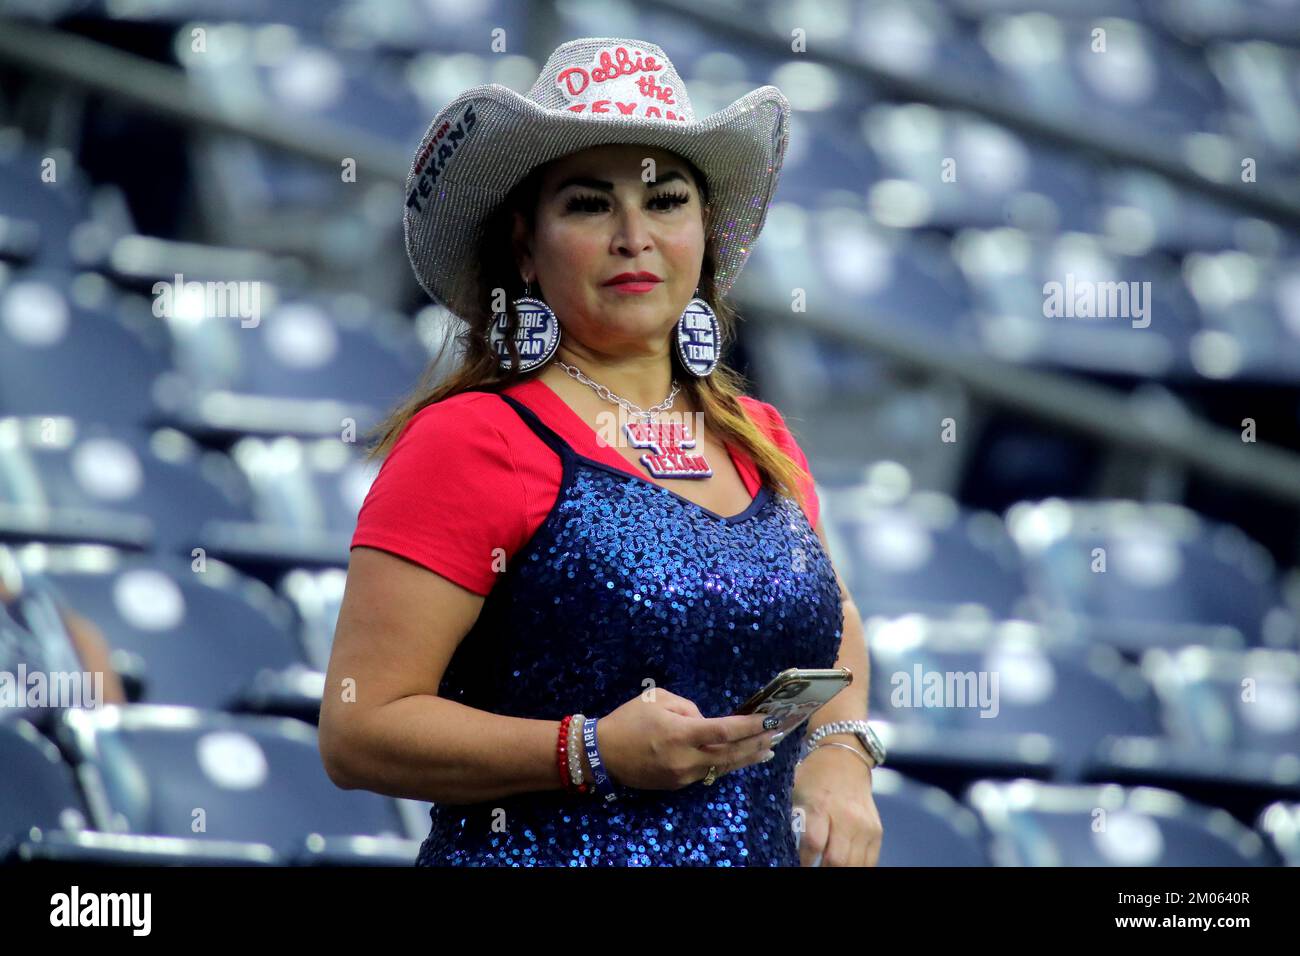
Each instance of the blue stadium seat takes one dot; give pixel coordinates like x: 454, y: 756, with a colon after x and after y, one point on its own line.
x: 923, y: 553
x: 40, y: 790
x: 301, y: 13
x: 44, y: 198
x: 209, y: 638
x: 313, y: 366
x: 307, y: 492
x: 951, y: 170
x: 62, y: 481
x: 182, y: 772
x: 71, y: 345
x: 968, y: 680
x: 80, y: 848
x: 1144, y: 85
x: 1232, y: 728
x: 1107, y: 312
x: 1230, y: 700
x: 1037, y: 824
x: 1142, y: 209
x: 1249, y: 310
x: 825, y: 159
x: 316, y: 595
x: 307, y: 78
x: 854, y: 270
x: 895, y: 37
x: 924, y: 826
x: 1280, y: 822
x: 1254, y: 74
x: 1170, y: 577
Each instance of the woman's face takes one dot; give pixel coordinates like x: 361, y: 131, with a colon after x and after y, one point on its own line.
x: 597, y: 218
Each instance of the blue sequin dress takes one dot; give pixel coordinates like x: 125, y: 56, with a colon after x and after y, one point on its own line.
x: 626, y: 581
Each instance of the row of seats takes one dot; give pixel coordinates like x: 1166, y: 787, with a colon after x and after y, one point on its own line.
x: 240, y: 359
x: 1126, y: 574
x: 964, y: 696
x: 154, y: 784
x: 964, y: 699
x: 1131, y: 575
x: 143, y: 784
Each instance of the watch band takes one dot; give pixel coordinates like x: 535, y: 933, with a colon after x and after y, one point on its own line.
x: 859, y: 728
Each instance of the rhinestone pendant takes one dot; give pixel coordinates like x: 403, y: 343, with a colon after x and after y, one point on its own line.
x: 667, y: 442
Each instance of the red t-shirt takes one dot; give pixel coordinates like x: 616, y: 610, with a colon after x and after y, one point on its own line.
x: 467, y: 477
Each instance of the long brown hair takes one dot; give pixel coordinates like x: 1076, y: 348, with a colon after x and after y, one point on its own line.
x: 478, y: 368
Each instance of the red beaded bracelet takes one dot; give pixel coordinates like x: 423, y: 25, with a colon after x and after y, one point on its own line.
x: 562, y: 753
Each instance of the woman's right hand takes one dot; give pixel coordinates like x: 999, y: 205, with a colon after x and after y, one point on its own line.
x: 667, y: 744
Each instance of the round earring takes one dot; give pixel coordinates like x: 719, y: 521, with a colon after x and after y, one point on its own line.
x: 699, y: 343
x: 536, y: 337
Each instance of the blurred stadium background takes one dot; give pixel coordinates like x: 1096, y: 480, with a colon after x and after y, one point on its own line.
x: 972, y: 453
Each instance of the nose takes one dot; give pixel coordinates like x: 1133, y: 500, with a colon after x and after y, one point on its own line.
x: 632, y: 234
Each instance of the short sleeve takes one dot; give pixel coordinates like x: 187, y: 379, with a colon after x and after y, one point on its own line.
x: 448, y: 496
x: 784, y: 439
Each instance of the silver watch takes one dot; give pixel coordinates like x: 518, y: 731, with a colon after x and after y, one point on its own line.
x: 858, y: 728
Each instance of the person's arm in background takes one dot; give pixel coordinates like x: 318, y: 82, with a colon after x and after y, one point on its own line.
x: 90, y: 646
x: 93, y: 650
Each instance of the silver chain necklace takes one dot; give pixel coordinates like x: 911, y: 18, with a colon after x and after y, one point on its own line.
x: 633, y: 410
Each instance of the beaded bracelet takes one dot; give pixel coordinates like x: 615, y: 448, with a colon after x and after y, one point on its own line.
x: 566, y: 751
x: 577, y: 775
x: 562, y: 752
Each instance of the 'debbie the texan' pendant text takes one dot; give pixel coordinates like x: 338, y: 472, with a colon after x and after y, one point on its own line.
x: 667, y: 442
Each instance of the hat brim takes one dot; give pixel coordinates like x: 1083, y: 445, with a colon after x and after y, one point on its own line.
x: 739, y: 149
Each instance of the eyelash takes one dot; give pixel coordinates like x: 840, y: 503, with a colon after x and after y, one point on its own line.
x: 577, y: 203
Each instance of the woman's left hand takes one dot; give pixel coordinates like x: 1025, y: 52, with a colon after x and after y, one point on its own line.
x: 840, y: 820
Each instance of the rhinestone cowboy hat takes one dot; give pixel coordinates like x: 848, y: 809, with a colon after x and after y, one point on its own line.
x: 592, y: 91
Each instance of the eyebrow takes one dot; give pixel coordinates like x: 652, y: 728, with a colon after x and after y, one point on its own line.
x: 587, y: 181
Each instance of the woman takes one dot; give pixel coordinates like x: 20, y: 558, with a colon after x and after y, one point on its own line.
x: 585, y: 547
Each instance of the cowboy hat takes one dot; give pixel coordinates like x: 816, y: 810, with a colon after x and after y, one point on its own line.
x: 592, y: 91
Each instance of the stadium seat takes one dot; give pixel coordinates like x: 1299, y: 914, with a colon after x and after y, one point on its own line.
x: 183, y: 772
x: 1249, y: 310
x: 1169, y: 578
x: 924, y: 826
x: 317, y: 595
x: 313, y: 366
x: 1280, y: 822
x: 1037, y: 824
x: 44, y: 199
x: 71, y: 345
x: 975, y: 680
x: 852, y: 269
x: 1232, y: 728
x: 81, y: 848
x: 204, y: 636
x: 921, y: 552
x: 307, y: 492
x: 117, y: 485
x: 1139, y: 322
x: 40, y: 790
x: 991, y: 177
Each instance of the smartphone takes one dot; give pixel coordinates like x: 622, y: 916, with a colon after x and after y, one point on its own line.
x: 796, y: 694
